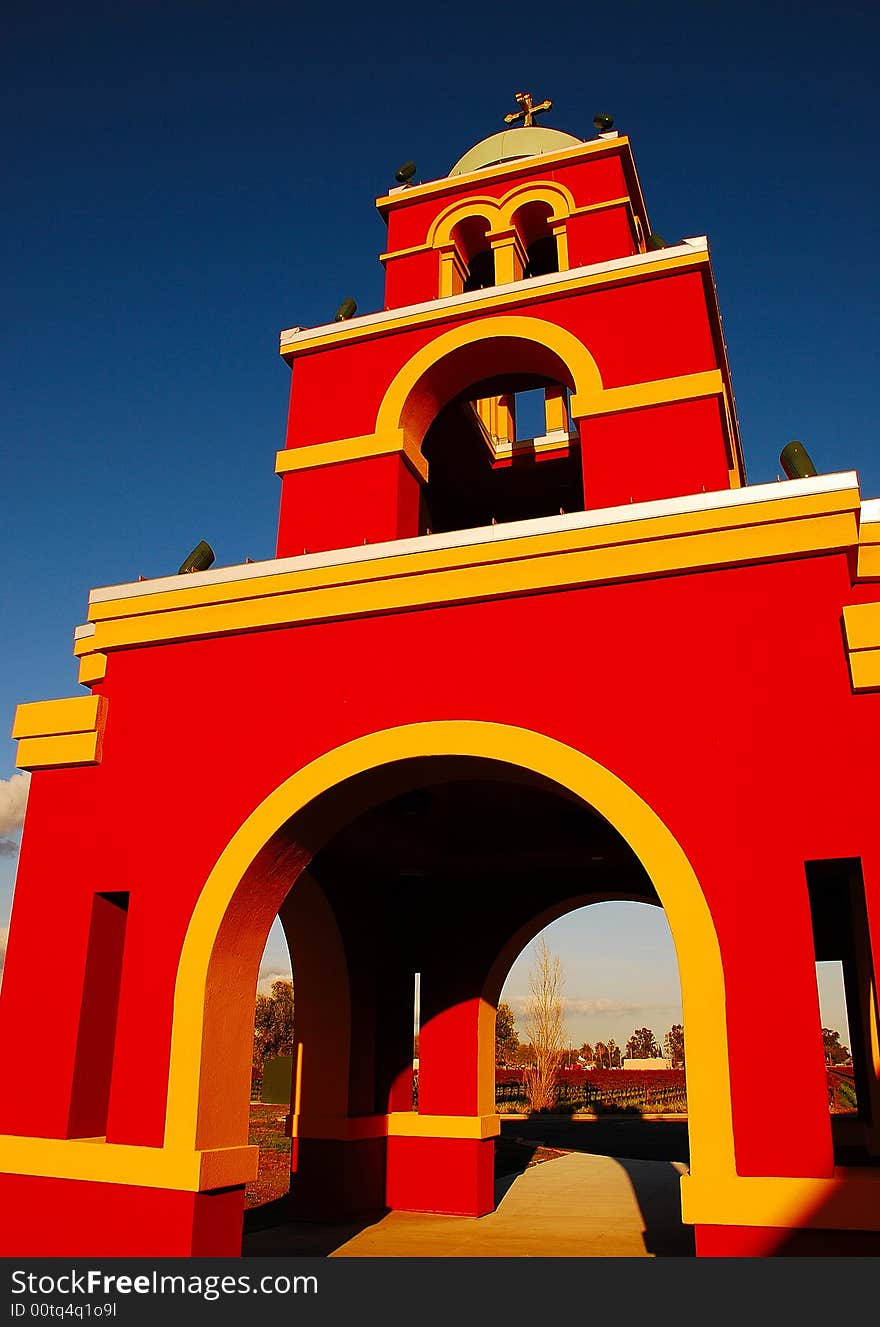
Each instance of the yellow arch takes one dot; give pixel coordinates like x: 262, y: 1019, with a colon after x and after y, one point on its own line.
x: 699, y: 957
x: 499, y: 212
x: 480, y: 205
x: 390, y: 420
x: 556, y: 195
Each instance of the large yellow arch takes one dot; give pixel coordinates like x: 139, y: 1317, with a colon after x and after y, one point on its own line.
x: 573, y: 354
x: 198, y: 1001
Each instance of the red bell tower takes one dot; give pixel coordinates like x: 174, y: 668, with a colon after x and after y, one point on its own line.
x: 523, y: 648
x: 531, y: 267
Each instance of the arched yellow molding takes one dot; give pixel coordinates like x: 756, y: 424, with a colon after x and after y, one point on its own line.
x: 392, y: 422
x: 699, y: 957
x: 480, y: 205
x: 559, y: 198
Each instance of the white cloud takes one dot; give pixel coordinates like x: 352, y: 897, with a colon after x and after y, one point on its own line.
x: 13, y: 800
x: 268, y: 975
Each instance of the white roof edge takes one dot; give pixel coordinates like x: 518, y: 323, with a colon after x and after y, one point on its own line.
x: 298, y: 335
x: 870, y: 511
x: 485, y: 534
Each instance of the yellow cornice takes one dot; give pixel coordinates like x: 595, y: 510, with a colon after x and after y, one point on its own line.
x: 351, y: 449
x: 488, y: 568
x: 499, y: 299
x: 53, y: 733
x: 505, y: 170
x: 101, y: 1162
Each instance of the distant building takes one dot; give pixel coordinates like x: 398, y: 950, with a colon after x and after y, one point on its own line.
x: 656, y: 1063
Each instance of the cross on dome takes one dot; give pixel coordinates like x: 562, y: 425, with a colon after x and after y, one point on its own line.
x: 529, y: 110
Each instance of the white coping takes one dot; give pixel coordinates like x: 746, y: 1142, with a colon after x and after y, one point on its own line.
x: 294, y: 336
x: 484, y: 534
x: 870, y: 511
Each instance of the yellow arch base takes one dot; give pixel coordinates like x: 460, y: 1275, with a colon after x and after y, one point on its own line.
x: 702, y: 981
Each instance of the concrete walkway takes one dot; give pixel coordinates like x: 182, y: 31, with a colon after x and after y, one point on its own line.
x: 575, y: 1206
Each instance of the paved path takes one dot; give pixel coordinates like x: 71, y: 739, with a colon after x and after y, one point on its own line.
x: 576, y: 1206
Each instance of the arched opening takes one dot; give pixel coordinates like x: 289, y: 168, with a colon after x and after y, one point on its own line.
x: 591, y: 1073
x: 502, y: 450
x: 470, y: 237
x: 328, y: 821
x: 533, y: 223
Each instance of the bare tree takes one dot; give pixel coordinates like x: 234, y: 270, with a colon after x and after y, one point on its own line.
x: 545, y: 1028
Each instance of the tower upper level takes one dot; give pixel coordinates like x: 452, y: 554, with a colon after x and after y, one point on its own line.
x: 539, y: 353
x: 519, y: 204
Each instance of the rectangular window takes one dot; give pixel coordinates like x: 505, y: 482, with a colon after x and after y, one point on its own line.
x: 96, y: 1035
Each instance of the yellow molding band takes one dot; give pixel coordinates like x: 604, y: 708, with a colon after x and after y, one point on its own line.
x: 52, y: 733
x: 848, y: 1201
x: 350, y: 449
x: 598, y: 554
x: 864, y: 667
x: 54, y: 752
x: 98, y: 1161
x: 397, y: 1124
x: 637, y: 396
x: 409, y: 1124
x: 861, y: 625
x: 868, y: 560
x: 47, y: 718
x: 344, y: 333
x: 92, y: 668
x: 560, y: 220
x: 521, y: 166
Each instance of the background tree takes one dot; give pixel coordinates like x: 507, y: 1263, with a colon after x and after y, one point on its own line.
x: 673, y: 1046
x: 273, y: 1023
x: 601, y: 1058
x: 834, y: 1052
x: 642, y: 1045
x: 613, y: 1054
x: 545, y: 1028
x: 506, y: 1039
x: 586, y: 1053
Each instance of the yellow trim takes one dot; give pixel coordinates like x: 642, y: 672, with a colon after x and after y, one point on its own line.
x: 592, y: 555
x: 54, y: 752
x: 92, y: 668
x: 864, y: 667
x: 639, y: 395
x: 48, y: 718
x: 397, y: 1124
x: 409, y: 1124
x: 699, y: 958
x: 869, y: 562
x: 53, y: 733
x: 848, y: 1201
x: 495, y: 300
x: 477, y: 205
x: 522, y: 166
x: 557, y: 222
x: 350, y: 449
x: 96, y: 1160
x: 861, y: 624
x: 405, y: 253
x: 396, y: 408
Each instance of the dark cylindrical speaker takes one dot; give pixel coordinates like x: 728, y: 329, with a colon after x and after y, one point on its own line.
x: 199, y: 559
x: 796, y: 461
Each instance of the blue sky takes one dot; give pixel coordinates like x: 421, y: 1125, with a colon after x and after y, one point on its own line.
x: 185, y: 179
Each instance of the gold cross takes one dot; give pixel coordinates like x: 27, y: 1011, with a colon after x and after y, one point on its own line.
x: 528, y: 112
